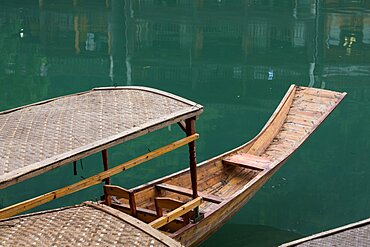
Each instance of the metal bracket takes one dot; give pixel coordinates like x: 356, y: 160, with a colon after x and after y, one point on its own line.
x: 197, y: 218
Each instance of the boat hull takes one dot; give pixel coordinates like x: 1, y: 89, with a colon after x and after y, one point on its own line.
x: 194, y: 234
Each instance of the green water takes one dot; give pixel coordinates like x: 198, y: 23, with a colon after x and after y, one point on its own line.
x: 237, y: 58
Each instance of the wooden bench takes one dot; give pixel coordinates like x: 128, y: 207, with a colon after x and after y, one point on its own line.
x: 189, y: 192
x: 248, y: 161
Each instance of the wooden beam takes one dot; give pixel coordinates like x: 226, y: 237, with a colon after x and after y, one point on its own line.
x: 190, y: 130
x: 195, y: 203
x: 88, y: 182
x: 188, y: 192
x: 104, y: 153
x: 105, y: 163
x: 182, y: 125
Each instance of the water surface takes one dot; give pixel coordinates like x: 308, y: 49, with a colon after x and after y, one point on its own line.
x: 237, y: 58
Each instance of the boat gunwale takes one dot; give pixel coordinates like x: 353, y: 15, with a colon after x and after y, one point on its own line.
x: 37, y: 168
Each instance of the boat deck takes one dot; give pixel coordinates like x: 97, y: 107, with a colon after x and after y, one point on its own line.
x: 88, y: 224
x: 356, y: 234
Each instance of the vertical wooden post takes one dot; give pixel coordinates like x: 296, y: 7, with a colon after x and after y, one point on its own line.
x: 104, y: 153
x: 190, y: 130
x: 105, y: 162
x: 132, y: 203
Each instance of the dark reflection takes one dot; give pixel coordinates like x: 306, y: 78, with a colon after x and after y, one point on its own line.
x: 237, y: 58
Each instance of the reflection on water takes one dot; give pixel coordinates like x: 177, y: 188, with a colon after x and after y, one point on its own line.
x: 237, y: 58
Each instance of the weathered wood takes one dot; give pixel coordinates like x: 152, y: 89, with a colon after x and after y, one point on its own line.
x: 248, y: 161
x: 188, y: 192
x: 190, y: 130
x: 237, y: 185
x: 273, y: 128
x: 167, y: 203
x: 182, y: 125
x: 31, y: 203
x: 321, y: 93
x: 119, y: 192
x: 105, y: 164
x: 176, y: 213
x: 148, y: 215
x: 107, y: 199
x: 132, y: 203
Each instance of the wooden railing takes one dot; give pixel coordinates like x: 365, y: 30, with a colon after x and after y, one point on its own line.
x: 88, y: 182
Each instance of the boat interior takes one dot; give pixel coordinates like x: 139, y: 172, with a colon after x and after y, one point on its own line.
x: 226, y: 176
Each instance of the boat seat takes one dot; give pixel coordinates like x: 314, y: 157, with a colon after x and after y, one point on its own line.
x: 188, y: 192
x: 248, y: 161
x: 119, y: 192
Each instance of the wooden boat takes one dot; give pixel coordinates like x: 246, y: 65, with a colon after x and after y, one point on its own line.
x: 228, y: 181
x: 191, y: 204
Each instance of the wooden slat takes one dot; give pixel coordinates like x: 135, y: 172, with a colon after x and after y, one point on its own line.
x: 248, y: 161
x: 320, y: 92
x: 301, y: 121
x: 188, y: 192
x: 187, y: 207
x: 34, y: 202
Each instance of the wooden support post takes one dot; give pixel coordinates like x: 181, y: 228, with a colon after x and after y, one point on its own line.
x: 182, y: 125
x: 106, y: 167
x: 132, y: 203
x: 190, y: 130
x: 105, y: 162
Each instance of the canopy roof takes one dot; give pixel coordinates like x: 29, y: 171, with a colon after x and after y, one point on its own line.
x: 45, y: 135
x: 87, y: 224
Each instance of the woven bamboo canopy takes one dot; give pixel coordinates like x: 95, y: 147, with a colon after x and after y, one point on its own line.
x: 355, y: 234
x: 45, y: 135
x: 87, y: 224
